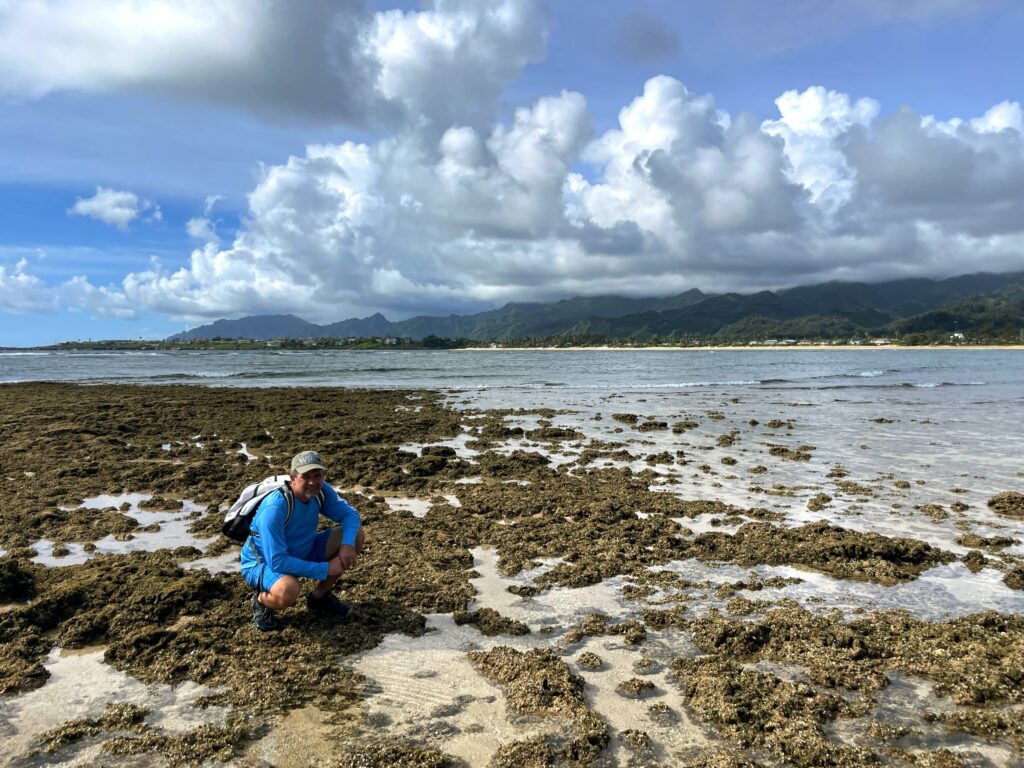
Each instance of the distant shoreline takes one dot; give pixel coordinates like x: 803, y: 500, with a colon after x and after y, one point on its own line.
x: 777, y: 347
x: 486, y: 347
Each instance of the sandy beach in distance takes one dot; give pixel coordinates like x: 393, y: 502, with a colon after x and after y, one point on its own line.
x: 757, y: 347
x: 694, y: 578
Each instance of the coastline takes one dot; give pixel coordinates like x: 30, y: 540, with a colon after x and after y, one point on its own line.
x: 775, y: 347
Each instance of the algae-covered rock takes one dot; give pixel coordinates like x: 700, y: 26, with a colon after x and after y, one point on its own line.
x: 590, y: 660
x: 596, y: 624
x: 756, y: 709
x: 1014, y: 577
x: 394, y: 756
x: 791, y: 454
x: 823, y: 547
x: 532, y: 753
x: 634, y: 688
x: 1008, y: 504
x: 490, y: 622
x: 116, y: 717
x: 977, y: 659
x: 818, y: 502
x: 17, y: 579
x: 987, y: 723
x: 538, y: 683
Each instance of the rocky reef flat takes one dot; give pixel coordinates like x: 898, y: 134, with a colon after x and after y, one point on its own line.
x: 694, y: 581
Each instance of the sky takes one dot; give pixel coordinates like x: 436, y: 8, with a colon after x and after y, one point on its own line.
x: 166, y: 164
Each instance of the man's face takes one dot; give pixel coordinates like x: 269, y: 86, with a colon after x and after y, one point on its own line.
x: 308, y: 484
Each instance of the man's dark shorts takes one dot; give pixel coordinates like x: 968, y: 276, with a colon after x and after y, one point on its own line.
x: 262, y: 578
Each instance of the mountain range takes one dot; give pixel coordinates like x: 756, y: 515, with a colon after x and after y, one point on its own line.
x: 918, y: 305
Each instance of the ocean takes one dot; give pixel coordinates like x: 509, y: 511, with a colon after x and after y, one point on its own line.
x: 989, y: 373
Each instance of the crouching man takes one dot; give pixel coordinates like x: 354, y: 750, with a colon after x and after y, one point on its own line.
x: 284, y: 546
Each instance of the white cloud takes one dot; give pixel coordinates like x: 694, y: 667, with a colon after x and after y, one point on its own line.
x: 105, y: 301
x: 324, y: 59
x: 680, y: 194
x: 809, y: 124
x: 450, y: 63
x: 966, y: 180
x: 22, y: 293
x: 210, y: 202
x: 450, y: 210
x: 202, y: 229
x: 116, y: 207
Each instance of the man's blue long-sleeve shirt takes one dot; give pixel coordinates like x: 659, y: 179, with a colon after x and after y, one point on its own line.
x: 285, y: 547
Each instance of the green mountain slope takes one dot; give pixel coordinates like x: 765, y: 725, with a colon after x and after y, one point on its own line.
x: 979, y: 302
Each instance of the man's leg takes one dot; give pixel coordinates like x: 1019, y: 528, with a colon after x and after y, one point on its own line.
x: 282, y: 594
x: 333, y: 545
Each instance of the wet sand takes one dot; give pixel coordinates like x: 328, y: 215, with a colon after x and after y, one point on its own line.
x: 544, y: 586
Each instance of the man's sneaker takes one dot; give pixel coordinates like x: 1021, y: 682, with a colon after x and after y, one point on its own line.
x: 262, y: 616
x: 328, y: 605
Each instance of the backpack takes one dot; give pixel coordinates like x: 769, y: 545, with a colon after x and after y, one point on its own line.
x: 239, y: 518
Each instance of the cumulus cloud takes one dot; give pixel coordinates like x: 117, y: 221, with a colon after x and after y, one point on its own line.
x: 449, y: 209
x: 448, y: 64
x: 679, y: 194
x: 809, y: 124
x: 320, y: 59
x: 201, y: 228
x: 22, y: 293
x: 970, y: 180
x: 103, y: 301
x: 116, y: 207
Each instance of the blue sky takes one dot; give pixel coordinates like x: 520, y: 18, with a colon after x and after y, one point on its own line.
x: 166, y: 164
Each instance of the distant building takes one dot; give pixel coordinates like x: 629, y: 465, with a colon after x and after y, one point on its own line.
x: 956, y: 337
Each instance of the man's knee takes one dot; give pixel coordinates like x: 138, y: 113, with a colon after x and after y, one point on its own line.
x: 283, y: 593
x: 360, y: 539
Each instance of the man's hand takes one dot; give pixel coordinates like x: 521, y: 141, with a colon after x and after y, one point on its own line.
x: 342, y: 561
x: 334, y: 566
x: 347, y: 554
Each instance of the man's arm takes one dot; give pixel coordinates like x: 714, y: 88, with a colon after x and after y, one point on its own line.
x: 269, y: 523
x: 340, y: 511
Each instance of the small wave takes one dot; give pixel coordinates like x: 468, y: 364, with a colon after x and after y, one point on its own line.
x: 936, y: 384
x: 278, y: 374
x: 179, y: 376
x: 674, y: 384
x: 872, y: 374
x: 902, y: 385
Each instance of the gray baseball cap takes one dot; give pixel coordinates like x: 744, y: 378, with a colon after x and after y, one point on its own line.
x: 307, y: 460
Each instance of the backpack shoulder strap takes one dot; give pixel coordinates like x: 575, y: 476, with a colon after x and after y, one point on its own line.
x: 289, y: 498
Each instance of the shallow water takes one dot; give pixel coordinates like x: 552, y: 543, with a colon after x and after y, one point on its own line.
x: 171, y: 531
x: 80, y: 685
